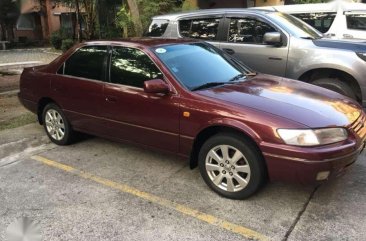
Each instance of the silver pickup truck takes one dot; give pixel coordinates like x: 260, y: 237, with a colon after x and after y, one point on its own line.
x: 274, y: 43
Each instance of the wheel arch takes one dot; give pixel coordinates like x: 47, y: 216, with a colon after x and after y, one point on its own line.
x: 40, y: 107
x: 226, y: 126
x: 317, y: 73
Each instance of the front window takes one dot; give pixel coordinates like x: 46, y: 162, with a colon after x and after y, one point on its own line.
x: 356, y: 21
x: 295, y: 26
x: 197, y: 64
x: 320, y: 21
x: 132, y: 67
x: 248, y: 30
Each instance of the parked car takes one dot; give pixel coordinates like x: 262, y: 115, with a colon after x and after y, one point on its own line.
x: 342, y: 20
x: 190, y: 98
x: 274, y: 43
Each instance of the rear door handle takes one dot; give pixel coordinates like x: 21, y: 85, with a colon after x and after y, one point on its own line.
x: 275, y: 58
x: 229, y: 51
x: 111, y: 99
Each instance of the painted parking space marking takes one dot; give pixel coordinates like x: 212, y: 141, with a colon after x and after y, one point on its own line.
x: 234, y: 228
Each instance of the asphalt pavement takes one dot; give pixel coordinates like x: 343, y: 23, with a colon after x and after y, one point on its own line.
x: 97, y: 189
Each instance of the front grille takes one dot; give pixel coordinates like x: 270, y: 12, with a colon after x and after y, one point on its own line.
x: 359, y: 127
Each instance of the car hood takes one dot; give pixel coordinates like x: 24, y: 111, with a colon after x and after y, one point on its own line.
x: 356, y: 46
x: 307, y: 104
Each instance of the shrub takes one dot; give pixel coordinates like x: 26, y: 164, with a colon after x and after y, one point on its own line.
x: 66, y: 44
x: 56, y: 40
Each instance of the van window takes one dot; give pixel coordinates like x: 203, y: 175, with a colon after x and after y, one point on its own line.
x: 248, y: 30
x: 320, y: 21
x: 157, y: 28
x: 356, y: 21
x: 200, y: 28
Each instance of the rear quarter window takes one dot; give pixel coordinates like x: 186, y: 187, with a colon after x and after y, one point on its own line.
x: 157, y: 28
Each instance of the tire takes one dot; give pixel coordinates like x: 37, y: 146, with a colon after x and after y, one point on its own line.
x: 56, y: 125
x: 244, y: 164
x: 336, y: 85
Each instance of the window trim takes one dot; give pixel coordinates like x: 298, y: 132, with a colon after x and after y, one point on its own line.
x: 229, y: 16
x: 108, y: 79
x: 83, y: 78
x: 220, y: 28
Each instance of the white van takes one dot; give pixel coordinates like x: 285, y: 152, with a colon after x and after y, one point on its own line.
x: 342, y: 20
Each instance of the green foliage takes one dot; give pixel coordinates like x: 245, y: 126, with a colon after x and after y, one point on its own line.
x: 149, y: 8
x: 66, y: 44
x: 124, y: 21
x: 189, y: 5
x: 56, y: 39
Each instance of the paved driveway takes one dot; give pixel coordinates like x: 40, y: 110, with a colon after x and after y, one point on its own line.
x: 44, y: 55
x: 96, y: 189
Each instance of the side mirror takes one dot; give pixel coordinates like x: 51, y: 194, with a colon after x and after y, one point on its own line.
x: 272, y: 38
x: 156, y: 86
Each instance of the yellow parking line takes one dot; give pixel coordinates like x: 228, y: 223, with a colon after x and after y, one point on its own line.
x: 246, y: 232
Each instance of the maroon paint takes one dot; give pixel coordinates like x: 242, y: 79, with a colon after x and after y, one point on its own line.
x: 256, y: 107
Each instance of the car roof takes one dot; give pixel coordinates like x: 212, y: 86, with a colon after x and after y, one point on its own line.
x: 174, y: 16
x: 316, y: 7
x: 141, y: 42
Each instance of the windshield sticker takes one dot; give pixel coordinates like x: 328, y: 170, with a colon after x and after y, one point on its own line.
x: 160, y: 50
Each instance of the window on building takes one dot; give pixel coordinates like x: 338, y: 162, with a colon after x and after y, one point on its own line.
x: 356, y: 21
x: 26, y: 22
x: 87, y: 62
x: 248, y: 30
x: 132, y: 67
x: 200, y: 28
x: 320, y: 21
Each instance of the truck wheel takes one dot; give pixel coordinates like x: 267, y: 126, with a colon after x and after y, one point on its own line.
x: 336, y: 85
x: 231, y: 166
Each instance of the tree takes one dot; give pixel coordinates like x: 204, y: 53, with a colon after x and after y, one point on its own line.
x: 135, y: 16
x: 9, y: 12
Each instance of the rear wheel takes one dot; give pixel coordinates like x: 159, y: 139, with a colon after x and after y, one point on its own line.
x: 56, y: 125
x: 231, y: 166
x: 336, y: 85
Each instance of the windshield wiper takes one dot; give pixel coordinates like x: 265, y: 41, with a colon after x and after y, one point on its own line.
x: 240, y: 76
x: 208, y: 85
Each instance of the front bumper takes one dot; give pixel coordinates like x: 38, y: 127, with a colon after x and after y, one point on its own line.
x: 305, y: 170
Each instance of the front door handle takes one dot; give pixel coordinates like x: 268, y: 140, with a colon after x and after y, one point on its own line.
x: 229, y: 51
x: 111, y: 99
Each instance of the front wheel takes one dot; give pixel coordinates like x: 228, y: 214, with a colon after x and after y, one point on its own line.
x: 56, y: 125
x: 231, y: 166
x: 336, y: 85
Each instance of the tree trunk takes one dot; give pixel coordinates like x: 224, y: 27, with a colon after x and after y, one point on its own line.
x: 3, y: 32
x: 44, y: 19
x: 78, y: 20
x: 132, y: 5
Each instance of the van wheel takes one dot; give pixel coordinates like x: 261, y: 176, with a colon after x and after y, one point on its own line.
x: 336, y: 85
x: 231, y: 166
x: 56, y: 125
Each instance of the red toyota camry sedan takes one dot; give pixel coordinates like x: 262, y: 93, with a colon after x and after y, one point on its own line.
x: 189, y: 98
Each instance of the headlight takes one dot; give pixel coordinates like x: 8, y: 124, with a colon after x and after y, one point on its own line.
x: 308, y: 137
x: 362, y: 56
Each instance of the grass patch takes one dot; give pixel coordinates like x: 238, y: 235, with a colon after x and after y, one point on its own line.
x: 18, y: 121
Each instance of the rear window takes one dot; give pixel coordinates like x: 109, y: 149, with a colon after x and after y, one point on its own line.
x: 199, y: 28
x: 320, y: 21
x: 157, y: 28
x: 356, y: 21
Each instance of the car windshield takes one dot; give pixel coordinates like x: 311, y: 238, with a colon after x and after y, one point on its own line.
x: 294, y: 25
x: 197, y: 65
